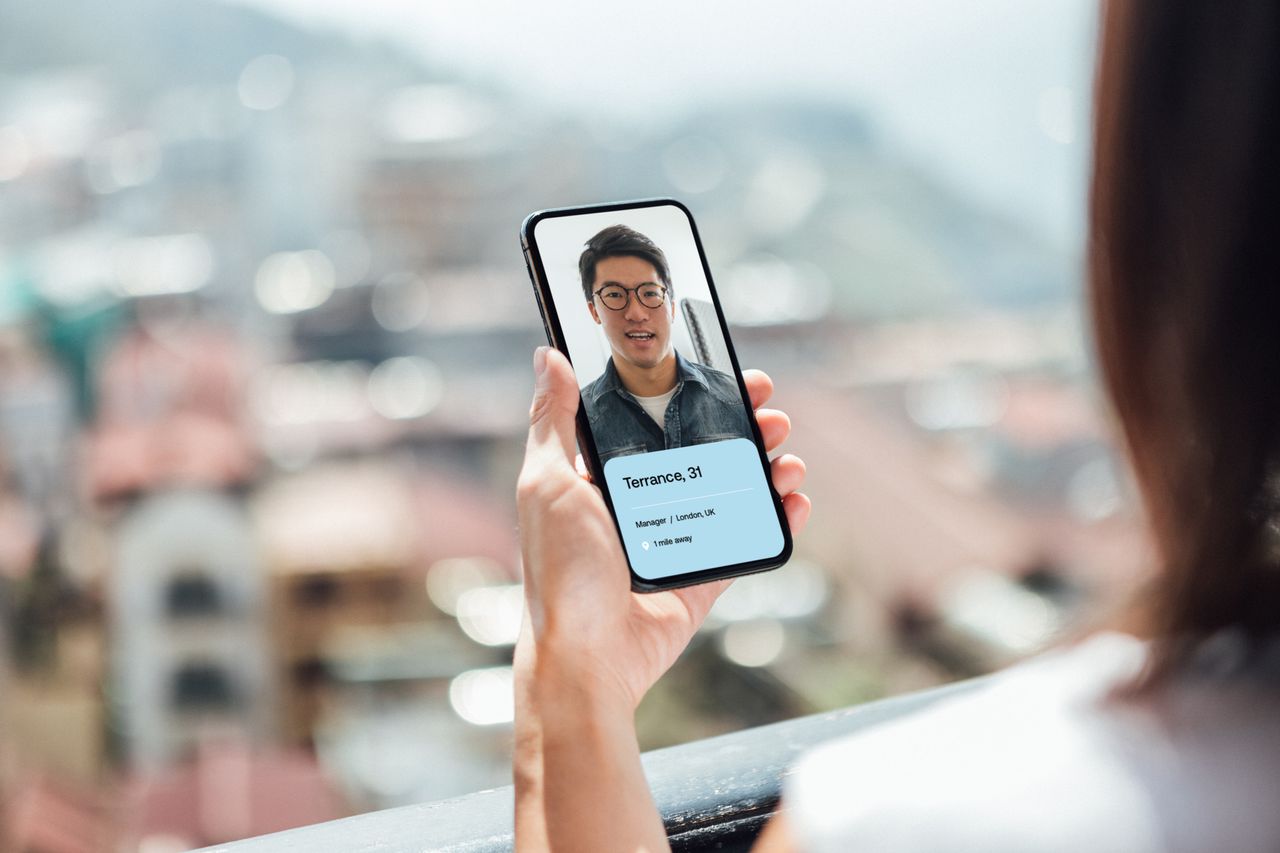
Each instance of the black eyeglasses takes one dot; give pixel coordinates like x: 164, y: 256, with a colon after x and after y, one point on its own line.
x: 616, y: 297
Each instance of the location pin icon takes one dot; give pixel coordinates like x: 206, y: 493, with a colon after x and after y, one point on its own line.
x: 644, y: 545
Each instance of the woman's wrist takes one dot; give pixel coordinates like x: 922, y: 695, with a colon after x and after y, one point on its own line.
x: 579, y: 780
x: 575, y: 754
x: 570, y: 683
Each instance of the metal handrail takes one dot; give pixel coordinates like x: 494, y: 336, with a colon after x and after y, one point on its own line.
x: 714, y: 794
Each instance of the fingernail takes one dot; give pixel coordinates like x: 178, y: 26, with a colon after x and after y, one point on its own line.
x: 540, y: 361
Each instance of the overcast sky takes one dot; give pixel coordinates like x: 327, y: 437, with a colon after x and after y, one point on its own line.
x: 991, y: 94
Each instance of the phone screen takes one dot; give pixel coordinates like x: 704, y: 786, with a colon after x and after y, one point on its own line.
x: 670, y: 436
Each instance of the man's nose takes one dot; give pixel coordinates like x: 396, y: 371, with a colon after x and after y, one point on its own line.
x: 635, y: 311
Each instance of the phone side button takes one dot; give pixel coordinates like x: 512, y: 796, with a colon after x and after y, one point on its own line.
x: 546, y: 326
x: 537, y: 294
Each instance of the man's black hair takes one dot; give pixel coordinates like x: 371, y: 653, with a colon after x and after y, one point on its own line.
x: 620, y: 241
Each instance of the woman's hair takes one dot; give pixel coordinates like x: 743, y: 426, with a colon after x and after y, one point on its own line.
x: 1184, y: 261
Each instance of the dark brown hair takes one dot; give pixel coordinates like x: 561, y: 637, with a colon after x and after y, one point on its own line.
x: 620, y: 241
x: 1184, y: 261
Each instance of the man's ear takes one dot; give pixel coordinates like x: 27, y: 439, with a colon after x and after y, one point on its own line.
x: 591, y: 306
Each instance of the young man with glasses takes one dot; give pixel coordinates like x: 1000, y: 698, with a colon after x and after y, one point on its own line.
x: 649, y: 397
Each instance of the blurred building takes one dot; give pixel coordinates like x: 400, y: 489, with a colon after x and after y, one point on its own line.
x: 340, y: 551
x: 170, y: 407
x: 189, y: 627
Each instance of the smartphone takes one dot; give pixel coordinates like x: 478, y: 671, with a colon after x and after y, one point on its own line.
x: 665, y: 425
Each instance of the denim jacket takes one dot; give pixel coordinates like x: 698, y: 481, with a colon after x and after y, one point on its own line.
x: 706, y: 407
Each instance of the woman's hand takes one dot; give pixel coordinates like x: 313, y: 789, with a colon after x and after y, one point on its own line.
x: 581, y: 609
x: 590, y: 648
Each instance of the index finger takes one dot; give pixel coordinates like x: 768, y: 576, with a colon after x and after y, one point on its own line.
x: 759, y: 386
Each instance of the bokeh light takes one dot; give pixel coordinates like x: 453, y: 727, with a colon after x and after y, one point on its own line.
x: 449, y: 579
x: 405, y: 387
x: 289, y: 282
x: 758, y: 642
x: 15, y: 153
x: 491, y: 615
x: 266, y: 82
x: 484, y: 697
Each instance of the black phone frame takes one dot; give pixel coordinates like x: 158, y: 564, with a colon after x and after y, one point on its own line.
x: 586, y: 441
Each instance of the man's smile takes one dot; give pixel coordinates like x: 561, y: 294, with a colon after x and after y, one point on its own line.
x: 639, y: 335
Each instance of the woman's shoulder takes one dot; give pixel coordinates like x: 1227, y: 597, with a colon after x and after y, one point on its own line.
x: 1043, y: 758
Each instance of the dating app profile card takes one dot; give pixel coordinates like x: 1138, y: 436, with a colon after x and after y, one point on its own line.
x: 689, y: 509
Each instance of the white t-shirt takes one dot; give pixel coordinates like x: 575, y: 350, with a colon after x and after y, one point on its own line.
x: 657, y: 406
x: 1041, y: 760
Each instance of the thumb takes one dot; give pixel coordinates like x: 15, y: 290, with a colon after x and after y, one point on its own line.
x: 555, y: 406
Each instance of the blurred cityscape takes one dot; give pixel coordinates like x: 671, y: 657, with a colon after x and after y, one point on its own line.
x: 265, y: 346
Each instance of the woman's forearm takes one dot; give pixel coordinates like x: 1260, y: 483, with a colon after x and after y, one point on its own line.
x: 531, y: 821
x: 578, y: 778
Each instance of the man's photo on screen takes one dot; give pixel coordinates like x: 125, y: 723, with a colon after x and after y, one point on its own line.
x: 650, y: 396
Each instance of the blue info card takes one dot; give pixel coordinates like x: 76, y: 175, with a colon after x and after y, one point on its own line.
x: 689, y: 509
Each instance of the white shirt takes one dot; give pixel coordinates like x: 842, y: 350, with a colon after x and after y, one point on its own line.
x: 1042, y: 760
x: 657, y: 406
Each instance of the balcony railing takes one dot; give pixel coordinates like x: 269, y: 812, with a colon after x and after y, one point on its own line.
x: 714, y: 794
